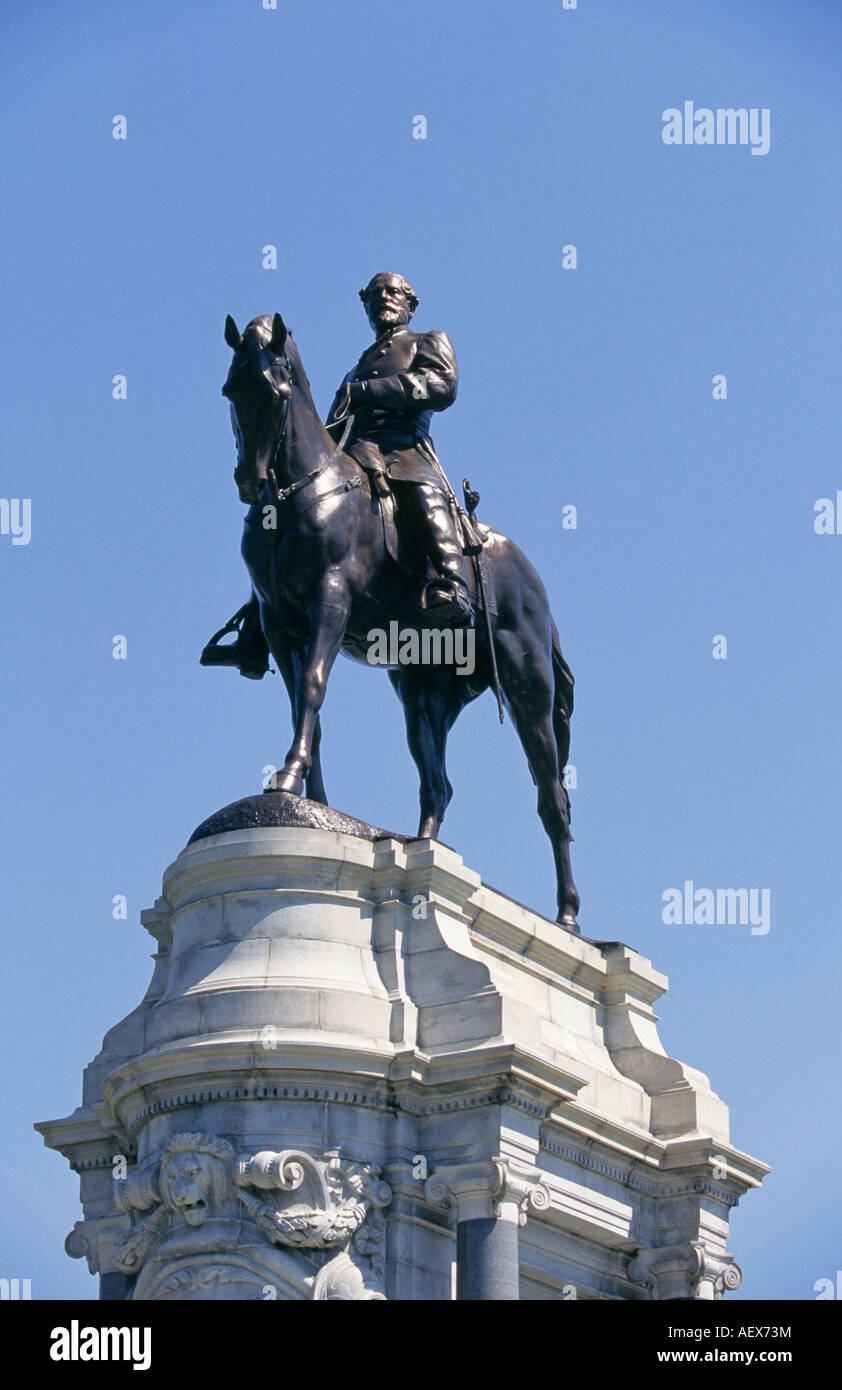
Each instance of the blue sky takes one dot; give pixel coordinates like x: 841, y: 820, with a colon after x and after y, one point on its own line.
x: 590, y: 387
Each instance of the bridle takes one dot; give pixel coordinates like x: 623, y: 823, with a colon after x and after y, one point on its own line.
x: 283, y: 494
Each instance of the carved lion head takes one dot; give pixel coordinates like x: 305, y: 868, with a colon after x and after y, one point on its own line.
x: 196, y: 1175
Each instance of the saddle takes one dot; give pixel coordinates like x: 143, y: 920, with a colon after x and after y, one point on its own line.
x: 472, y: 536
x: 409, y: 558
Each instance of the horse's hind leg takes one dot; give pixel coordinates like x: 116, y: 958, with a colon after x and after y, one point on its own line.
x: 315, y: 787
x: 530, y: 700
x: 430, y: 704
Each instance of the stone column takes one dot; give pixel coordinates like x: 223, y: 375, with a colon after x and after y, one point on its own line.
x: 489, y: 1200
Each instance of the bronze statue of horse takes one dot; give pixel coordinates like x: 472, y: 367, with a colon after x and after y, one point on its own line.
x: 316, y: 549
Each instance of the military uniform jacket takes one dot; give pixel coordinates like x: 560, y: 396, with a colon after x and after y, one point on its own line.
x: 406, y: 377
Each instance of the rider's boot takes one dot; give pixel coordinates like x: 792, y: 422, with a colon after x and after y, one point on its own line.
x: 448, y: 595
x: 249, y: 653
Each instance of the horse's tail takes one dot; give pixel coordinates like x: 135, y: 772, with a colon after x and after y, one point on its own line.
x: 562, y: 706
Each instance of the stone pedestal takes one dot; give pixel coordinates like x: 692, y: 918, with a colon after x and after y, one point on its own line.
x: 358, y: 1073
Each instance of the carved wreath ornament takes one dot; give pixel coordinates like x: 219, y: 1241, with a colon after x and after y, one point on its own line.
x: 293, y: 1199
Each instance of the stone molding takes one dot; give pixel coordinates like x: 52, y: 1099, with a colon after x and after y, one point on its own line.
x: 412, y: 1082
x: 650, y: 1179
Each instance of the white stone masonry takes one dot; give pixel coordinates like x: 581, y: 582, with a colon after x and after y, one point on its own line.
x: 358, y: 1073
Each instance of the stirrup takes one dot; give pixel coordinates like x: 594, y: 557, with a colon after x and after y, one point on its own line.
x: 232, y: 625
x: 253, y: 663
x: 456, y: 607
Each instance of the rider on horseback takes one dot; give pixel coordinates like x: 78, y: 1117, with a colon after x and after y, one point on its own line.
x: 391, y: 394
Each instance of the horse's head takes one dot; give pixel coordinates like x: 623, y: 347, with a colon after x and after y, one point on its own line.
x: 258, y: 387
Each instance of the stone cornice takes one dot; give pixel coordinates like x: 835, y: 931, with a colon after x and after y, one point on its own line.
x: 630, y: 976
x: 538, y: 945
x: 414, y: 1083
x: 742, y: 1169
x: 657, y: 1170
x: 586, y: 1127
x: 594, y: 1162
x: 519, y: 1070
x: 219, y: 1068
x: 83, y: 1139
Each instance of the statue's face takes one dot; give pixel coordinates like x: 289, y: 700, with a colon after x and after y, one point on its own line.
x: 388, y: 303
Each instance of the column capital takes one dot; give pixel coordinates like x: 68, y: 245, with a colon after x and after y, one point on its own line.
x: 489, y: 1188
x: 685, y: 1271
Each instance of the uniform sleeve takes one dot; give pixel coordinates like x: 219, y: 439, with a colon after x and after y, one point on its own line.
x: 429, y: 384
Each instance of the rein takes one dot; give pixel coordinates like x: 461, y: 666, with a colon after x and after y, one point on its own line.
x: 284, y: 494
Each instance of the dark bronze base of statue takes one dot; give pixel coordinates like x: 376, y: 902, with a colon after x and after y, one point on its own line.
x: 280, y: 808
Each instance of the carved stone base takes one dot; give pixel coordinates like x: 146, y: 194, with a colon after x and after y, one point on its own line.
x: 355, y: 1064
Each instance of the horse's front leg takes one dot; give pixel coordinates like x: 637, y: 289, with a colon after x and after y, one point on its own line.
x: 290, y: 664
x: 328, y: 616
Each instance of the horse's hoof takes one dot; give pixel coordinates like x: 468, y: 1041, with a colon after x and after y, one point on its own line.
x: 568, y: 920
x: 286, y: 782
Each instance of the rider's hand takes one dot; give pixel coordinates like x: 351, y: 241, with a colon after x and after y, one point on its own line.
x: 357, y: 392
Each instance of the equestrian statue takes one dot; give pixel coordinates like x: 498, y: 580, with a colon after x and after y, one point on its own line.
x: 352, y: 527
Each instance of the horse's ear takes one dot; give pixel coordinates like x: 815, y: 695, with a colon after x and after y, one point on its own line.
x: 232, y: 334
x: 279, y: 334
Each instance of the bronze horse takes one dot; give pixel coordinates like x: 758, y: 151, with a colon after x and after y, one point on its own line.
x: 316, y: 550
